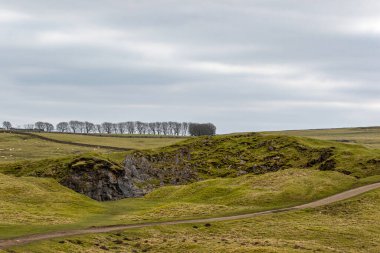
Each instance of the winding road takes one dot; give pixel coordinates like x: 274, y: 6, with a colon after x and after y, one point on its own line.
x: 329, y: 200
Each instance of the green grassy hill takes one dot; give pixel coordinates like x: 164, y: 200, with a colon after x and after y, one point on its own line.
x: 239, y: 174
x: 30, y: 205
x: 210, y: 157
x: 232, y: 155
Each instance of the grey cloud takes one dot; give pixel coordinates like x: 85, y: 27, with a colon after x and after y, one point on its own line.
x: 245, y: 65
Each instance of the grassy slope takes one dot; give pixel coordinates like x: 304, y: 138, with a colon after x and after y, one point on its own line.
x: 15, y: 147
x: 218, y: 156
x: 45, y: 205
x: 347, y: 226
x: 33, y: 204
x: 228, y: 155
x: 366, y: 136
x: 115, y: 141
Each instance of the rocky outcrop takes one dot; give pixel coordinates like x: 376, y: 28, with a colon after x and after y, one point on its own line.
x: 201, y: 158
x: 103, y: 180
x: 100, y: 179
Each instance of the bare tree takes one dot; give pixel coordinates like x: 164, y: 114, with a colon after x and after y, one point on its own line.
x: 145, y: 129
x: 185, y: 128
x: 7, y: 125
x: 122, y: 127
x: 75, y: 126
x: 107, y: 127
x: 99, y: 128
x: 82, y: 126
x: 171, y: 127
x: 29, y: 126
x: 130, y: 127
x: 140, y: 127
x: 158, y: 126
x: 114, y: 128
x: 152, y: 127
x: 40, y: 125
x: 89, y: 127
x: 165, y: 128
x: 49, y: 127
x: 177, y: 128
x: 63, y: 127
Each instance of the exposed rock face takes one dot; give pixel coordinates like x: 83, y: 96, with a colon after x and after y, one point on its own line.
x: 103, y: 180
x: 100, y: 180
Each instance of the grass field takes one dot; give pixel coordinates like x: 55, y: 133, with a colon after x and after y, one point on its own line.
x: 116, y: 140
x: 348, y: 227
x: 14, y: 147
x: 366, y: 136
x: 38, y: 205
x: 44, y: 205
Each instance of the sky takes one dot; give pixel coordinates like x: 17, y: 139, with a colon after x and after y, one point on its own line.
x: 244, y: 65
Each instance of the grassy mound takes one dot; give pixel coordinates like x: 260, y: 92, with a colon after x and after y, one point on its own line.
x: 30, y: 205
x: 258, y: 192
x: 348, y: 226
x: 230, y: 156
x: 234, y: 155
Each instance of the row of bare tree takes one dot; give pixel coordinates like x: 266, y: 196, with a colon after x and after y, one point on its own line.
x: 129, y: 127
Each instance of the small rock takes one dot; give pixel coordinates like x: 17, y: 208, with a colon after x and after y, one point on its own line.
x: 103, y: 247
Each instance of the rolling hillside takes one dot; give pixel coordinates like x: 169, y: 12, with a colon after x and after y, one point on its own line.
x: 347, y: 226
x: 234, y: 174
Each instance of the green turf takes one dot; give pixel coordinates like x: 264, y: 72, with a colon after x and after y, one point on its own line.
x: 14, y: 147
x: 115, y: 141
x: 36, y: 204
x: 219, y: 160
x: 350, y: 226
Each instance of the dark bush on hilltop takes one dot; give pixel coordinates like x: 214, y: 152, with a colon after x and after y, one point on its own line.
x: 196, y: 129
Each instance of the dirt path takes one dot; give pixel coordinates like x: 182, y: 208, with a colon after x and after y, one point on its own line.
x: 335, y: 198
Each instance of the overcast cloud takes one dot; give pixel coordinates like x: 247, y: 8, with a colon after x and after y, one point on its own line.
x: 244, y: 65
